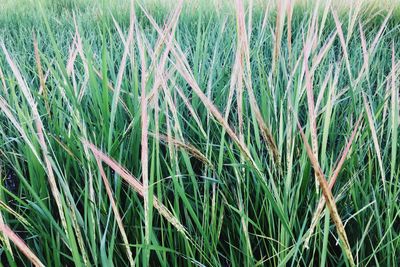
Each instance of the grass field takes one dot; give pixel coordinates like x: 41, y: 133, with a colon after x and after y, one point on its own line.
x: 199, y: 133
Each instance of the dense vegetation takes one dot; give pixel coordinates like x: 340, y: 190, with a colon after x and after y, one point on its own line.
x: 199, y: 134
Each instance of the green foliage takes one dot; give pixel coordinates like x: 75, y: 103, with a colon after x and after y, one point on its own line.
x: 237, y: 210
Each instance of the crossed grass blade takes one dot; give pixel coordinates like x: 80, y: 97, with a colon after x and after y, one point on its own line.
x: 330, y: 201
x: 21, y: 245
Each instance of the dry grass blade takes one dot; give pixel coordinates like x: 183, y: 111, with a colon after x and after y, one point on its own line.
x: 120, y: 74
x: 239, y: 100
x: 250, y: 17
x: 172, y: 106
x: 79, y: 48
x: 364, y: 46
x: 311, y: 111
x: 365, y: 53
x: 48, y: 166
x: 332, y: 181
x: 323, y: 51
x: 323, y: 88
x: 118, y: 217
x: 19, y: 217
x: 5, y: 238
x: 343, y: 44
x: 327, y: 6
x: 265, y: 21
x: 330, y: 202
x: 73, y: 53
x: 40, y: 73
x: 166, y: 37
x: 379, y: 34
x: 310, y: 99
x: 280, y: 18
x: 232, y: 83
x: 3, y: 81
x: 118, y: 28
x: 182, y: 67
x: 394, y: 113
x: 242, y: 40
x: 158, y: 66
x: 137, y: 186
x: 7, y: 111
x: 144, y: 141
x: 375, y: 139
x: 188, y: 76
x: 244, y: 52
x: 215, y: 112
x: 159, y: 80
x: 187, y: 147
x: 289, y: 10
x: 355, y: 9
x: 189, y: 107
x: 21, y: 245
x: 39, y: 126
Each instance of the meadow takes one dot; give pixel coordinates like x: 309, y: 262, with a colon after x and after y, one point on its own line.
x: 199, y: 133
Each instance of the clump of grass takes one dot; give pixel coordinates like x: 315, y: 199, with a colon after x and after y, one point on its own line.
x: 151, y: 134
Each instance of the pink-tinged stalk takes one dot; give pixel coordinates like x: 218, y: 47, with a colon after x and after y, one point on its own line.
x: 42, y: 142
x: 137, y: 186
x: 5, y: 238
x: 343, y: 44
x: 20, y: 244
x: 79, y: 48
x: 327, y: 193
x: 47, y: 160
x: 118, y: 217
x: 310, y: 98
x: 280, y: 17
x: 243, y: 57
x: 144, y: 145
x: 332, y: 181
